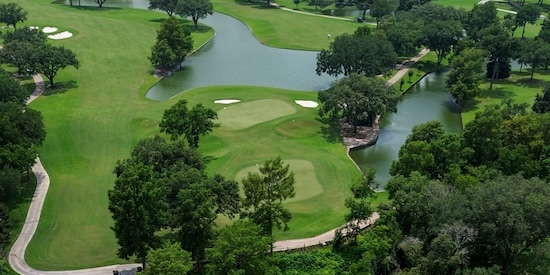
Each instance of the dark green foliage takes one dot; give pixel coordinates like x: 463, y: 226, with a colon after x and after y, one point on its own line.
x: 500, y: 46
x: 463, y: 81
x: 480, y: 17
x: 169, y: 6
x: 50, y: 59
x: 544, y: 33
x: 11, y: 90
x: 173, y: 44
x: 359, y: 53
x: 535, y: 53
x: 359, y: 203
x: 381, y: 8
x: 178, y: 120
x: 441, y: 37
x: 196, y: 9
x: 406, y: 5
x: 168, y: 260
x: 240, y: 248
x: 527, y: 14
x: 405, y: 36
x: 357, y: 100
x: 542, y: 102
x: 319, y: 261
x: 12, y: 13
x: 21, y: 49
x: 264, y: 195
x: 5, y: 226
x: 138, y: 208
x: 504, y: 69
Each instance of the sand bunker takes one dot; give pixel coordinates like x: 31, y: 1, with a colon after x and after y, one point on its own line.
x: 226, y: 101
x: 61, y: 35
x: 49, y: 29
x: 34, y: 28
x: 307, y: 103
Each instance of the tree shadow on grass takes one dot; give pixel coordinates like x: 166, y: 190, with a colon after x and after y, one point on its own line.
x: 188, y: 25
x: 330, y: 130
x: 471, y: 105
x: 92, y: 8
x: 533, y: 83
x: 60, y: 87
x: 498, y: 92
x: 207, y: 159
x: 254, y: 4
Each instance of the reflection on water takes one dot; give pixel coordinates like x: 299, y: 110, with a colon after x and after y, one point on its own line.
x: 427, y: 100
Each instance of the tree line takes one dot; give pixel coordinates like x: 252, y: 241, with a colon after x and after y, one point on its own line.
x: 164, y: 185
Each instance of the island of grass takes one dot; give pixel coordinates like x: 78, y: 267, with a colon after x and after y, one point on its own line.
x: 99, y: 112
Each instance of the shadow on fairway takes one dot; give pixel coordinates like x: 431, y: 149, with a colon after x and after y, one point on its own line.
x: 60, y: 87
x: 330, y: 130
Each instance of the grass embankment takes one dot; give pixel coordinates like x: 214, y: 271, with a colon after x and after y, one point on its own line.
x: 93, y: 121
x: 284, y: 29
x: 100, y: 113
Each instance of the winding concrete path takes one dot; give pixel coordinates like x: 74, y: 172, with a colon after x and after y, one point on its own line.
x: 313, y: 14
x: 17, y: 252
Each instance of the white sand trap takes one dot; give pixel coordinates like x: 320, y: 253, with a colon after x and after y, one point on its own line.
x: 61, y: 35
x: 226, y: 101
x: 34, y: 28
x: 307, y: 103
x: 49, y: 29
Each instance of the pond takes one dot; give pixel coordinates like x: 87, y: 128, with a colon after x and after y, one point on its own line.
x: 234, y: 56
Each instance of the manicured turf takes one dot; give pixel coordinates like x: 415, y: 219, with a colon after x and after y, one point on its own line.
x: 95, y: 120
x: 245, y: 114
x: 100, y: 113
x: 307, y: 185
x: 518, y: 87
x: 284, y: 29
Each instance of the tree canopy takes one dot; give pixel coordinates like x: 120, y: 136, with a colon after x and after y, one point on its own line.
x: 360, y: 53
x: 12, y: 13
x: 542, y: 102
x: 358, y: 99
x: 51, y: 59
x: 169, y: 259
x: 463, y: 81
x: 196, y: 9
x: 169, y: 6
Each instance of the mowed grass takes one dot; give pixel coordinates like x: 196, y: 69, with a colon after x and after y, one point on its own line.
x: 307, y: 185
x: 517, y: 87
x: 97, y: 119
x: 246, y: 114
x: 285, y: 29
x: 319, y: 165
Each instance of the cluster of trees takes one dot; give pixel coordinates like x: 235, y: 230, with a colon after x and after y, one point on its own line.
x: 196, y: 9
x: 27, y: 50
x: 11, y: 14
x: 357, y: 100
x: 164, y: 185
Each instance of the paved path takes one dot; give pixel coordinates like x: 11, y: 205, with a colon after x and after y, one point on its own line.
x: 406, y: 67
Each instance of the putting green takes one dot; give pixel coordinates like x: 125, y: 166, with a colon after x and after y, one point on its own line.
x: 307, y: 185
x: 243, y: 115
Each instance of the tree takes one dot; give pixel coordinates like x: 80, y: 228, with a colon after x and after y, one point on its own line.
x: 20, y: 55
x: 358, y: 99
x: 138, y: 208
x: 363, y: 5
x: 500, y: 46
x: 464, y: 79
x: 481, y: 17
x: 162, y: 55
x: 5, y: 226
x: 535, y: 53
x: 240, y: 248
x: 542, y: 102
x: 441, y: 37
x: 195, y: 218
x: 381, y: 8
x: 169, y: 259
x: 169, y: 6
x: 50, y: 59
x: 544, y: 32
x: 12, y: 13
x: 100, y: 2
x: 195, y: 9
x: 359, y: 203
x: 404, y: 35
x: 358, y: 53
x: 527, y: 14
x: 11, y: 90
x: 178, y: 120
x: 178, y: 39
x: 264, y: 195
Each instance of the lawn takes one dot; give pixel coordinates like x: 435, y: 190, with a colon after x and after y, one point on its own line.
x: 518, y: 87
x: 285, y: 29
x: 100, y: 112
x: 94, y: 120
